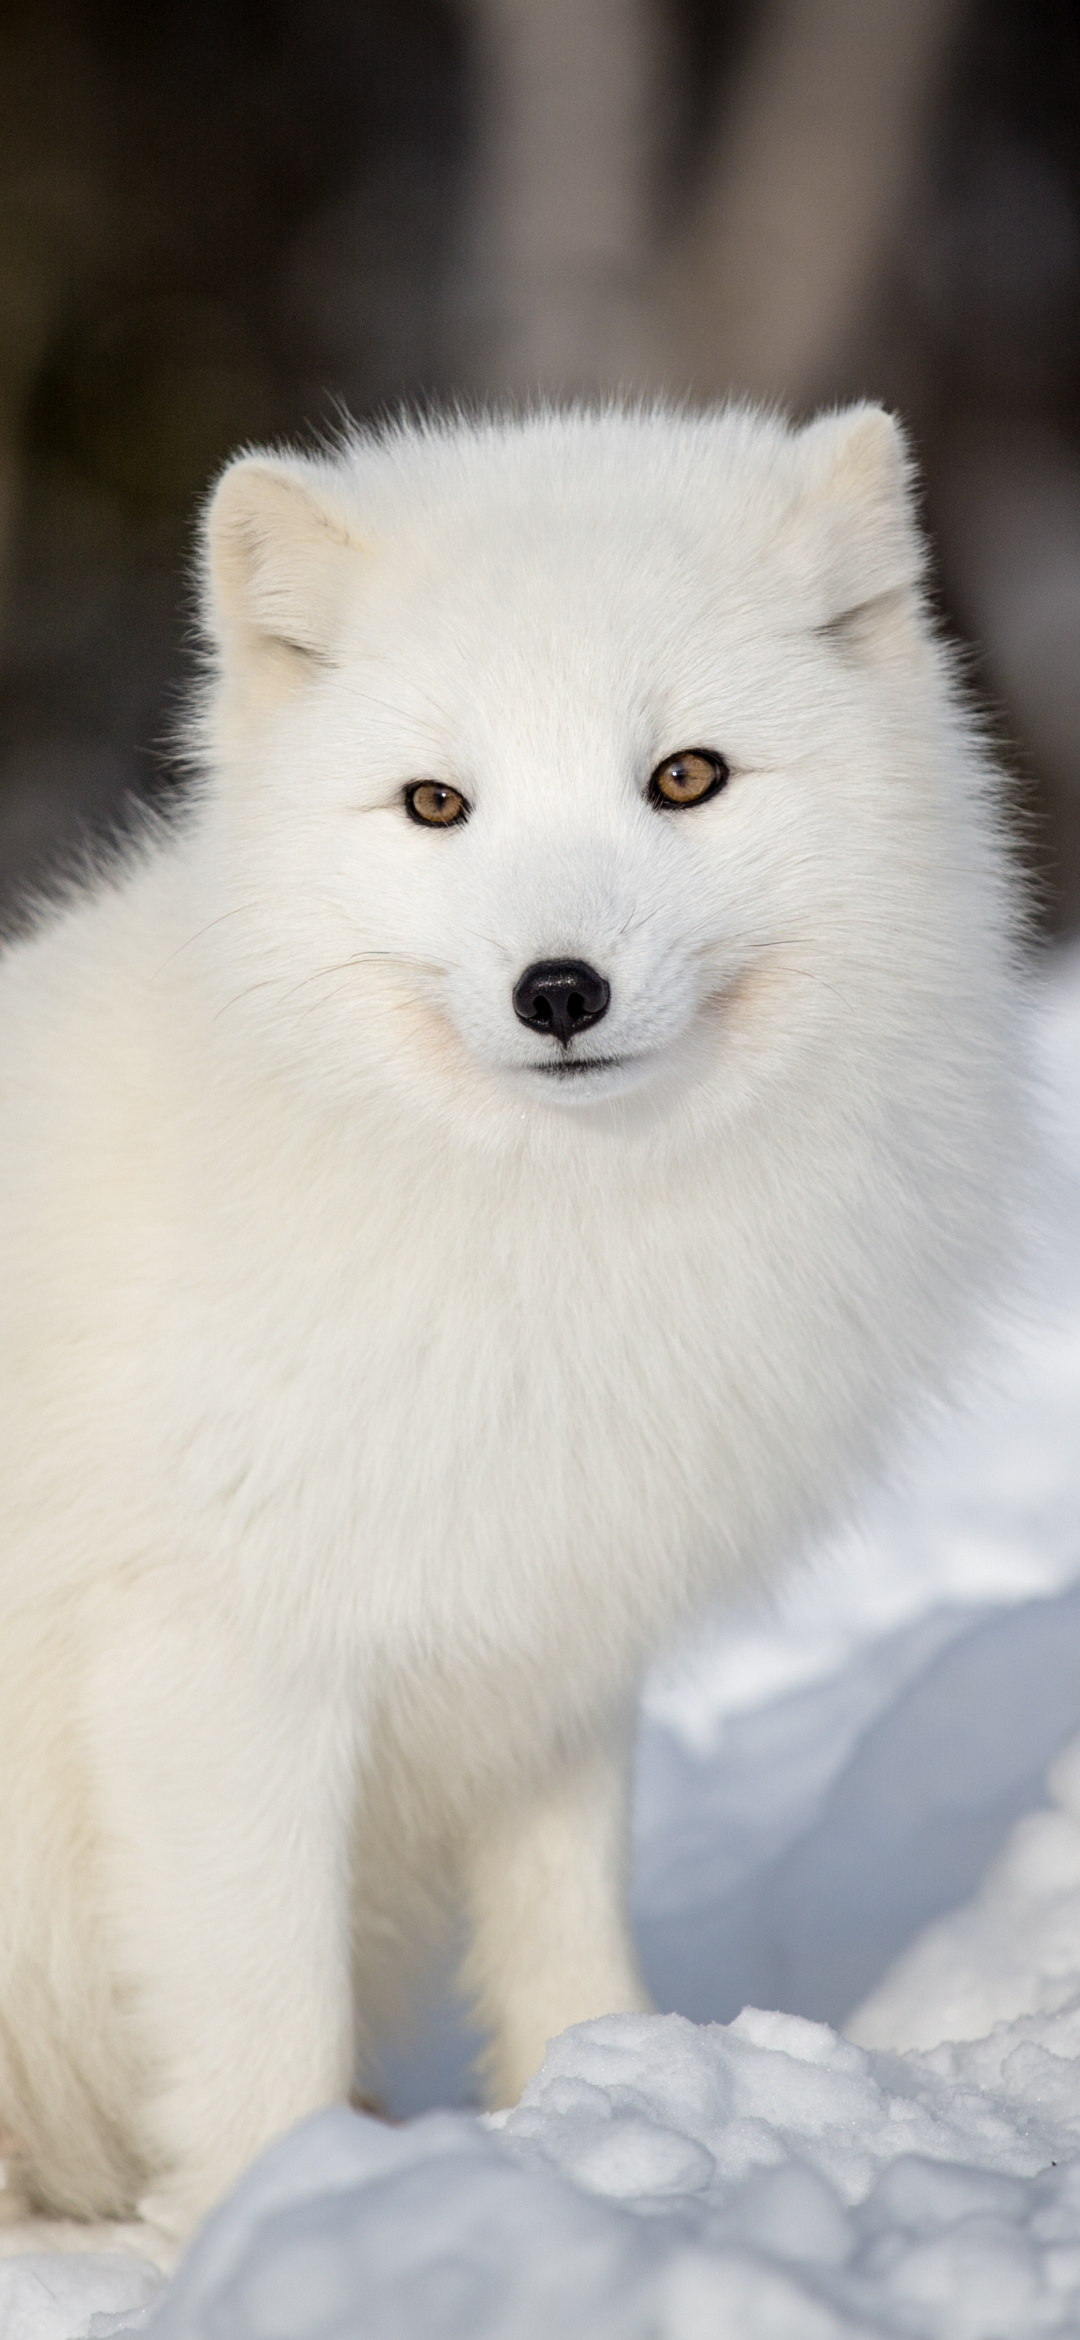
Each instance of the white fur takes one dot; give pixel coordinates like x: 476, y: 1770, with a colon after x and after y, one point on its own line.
x: 374, y: 1404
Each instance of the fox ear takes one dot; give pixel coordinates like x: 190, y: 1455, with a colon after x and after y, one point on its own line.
x: 866, y: 548
x: 274, y: 558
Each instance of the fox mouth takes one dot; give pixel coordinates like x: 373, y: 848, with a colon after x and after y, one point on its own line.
x: 577, y: 1064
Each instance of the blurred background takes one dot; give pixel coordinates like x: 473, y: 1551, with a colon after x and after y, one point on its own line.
x: 226, y: 220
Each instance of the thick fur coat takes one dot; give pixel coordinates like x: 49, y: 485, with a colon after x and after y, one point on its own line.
x: 385, y: 1378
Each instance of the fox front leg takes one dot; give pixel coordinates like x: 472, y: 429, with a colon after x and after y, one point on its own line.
x: 546, y: 1903
x: 223, y: 1790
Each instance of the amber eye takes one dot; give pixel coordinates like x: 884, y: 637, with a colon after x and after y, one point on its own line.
x: 435, y: 806
x: 691, y: 777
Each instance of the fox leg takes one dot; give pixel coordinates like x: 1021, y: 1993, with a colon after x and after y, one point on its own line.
x: 223, y: 1790
x: 546, y: 1906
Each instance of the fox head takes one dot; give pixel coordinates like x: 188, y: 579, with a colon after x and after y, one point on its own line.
x: 590, y: 761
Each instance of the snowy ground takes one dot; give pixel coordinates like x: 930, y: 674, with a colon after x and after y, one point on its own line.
x: 842, y: 1812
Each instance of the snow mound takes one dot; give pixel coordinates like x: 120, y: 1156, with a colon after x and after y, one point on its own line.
x: 51, y: 2296
x: 795, y: 1865
x: 662, y: 2180
x: 1013, y: 1949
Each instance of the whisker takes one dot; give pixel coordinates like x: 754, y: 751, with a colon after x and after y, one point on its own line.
x: 781, y: 942
x: 426, y: 707
x: 339, y: 967
x: 265, y: 984
x: 491, y: 941
x: 358, y: 959
x: 645, y: 918
x: 810, y: 975
x: 776, y: 943
x: 236, y: 912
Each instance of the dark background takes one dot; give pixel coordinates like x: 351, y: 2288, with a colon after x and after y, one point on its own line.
x: 223, y: 220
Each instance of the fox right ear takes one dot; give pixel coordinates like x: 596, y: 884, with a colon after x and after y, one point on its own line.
x: 274, y: 559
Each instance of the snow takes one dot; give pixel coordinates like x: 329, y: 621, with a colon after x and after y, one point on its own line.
x: 668, y: 2181
x: 49, y: 2295
x: 864, y: 1808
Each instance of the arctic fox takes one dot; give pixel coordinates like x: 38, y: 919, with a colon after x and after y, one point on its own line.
x: 477, y: 1188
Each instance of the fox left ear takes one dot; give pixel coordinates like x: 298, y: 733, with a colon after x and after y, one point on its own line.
x: 866, y: 548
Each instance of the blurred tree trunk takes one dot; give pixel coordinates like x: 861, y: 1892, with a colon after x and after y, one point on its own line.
x: 571, y: 96
x: 50, y: 215
x: 30, y: 284
x: 814, y: 164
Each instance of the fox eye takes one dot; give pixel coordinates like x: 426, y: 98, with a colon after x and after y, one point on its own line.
x: 690, y: 777
x: 435, y: 806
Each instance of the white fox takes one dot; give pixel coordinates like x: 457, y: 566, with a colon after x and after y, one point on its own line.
x: 477, y: 1187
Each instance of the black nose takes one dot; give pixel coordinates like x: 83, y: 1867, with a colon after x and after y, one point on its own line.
x: 561, y: 996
